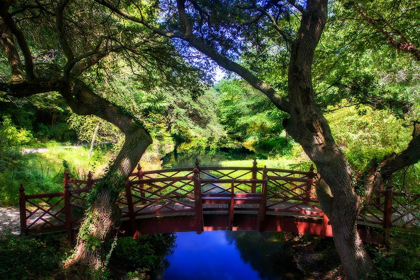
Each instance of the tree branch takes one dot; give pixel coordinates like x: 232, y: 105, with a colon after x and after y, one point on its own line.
x: 9, y: 47
x: 24, y: 47
x: 28, y: 88
x: 71, y: 63
x: 299, y: 7
x: 379, y: 173
x: 403, y: 44
x: 138, y: 20
x: 229, y: 65
x: 409, y: 156
x: 223, y: 61
x: 60, y: 29
x: 285, y: 36
x: 83, y: 101
x: 184, y: 18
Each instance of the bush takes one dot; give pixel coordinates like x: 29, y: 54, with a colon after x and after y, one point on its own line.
x: 143, y: 255
x: 29, y: 258
x: 363, y: 134
x: 402, y: 261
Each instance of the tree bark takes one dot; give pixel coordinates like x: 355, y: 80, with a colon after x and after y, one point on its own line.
x: 309, y: 128
x: 104, y: 213
x: 9, y: 47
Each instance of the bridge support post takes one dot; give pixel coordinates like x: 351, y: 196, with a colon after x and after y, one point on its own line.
x: 254, y: 175
x: 67, y: 209
x: 388, y: 213
x: 311, y: 175
x: 140, y: 177
x: 22, y: 209
x: 130, y: 205
x: 89, y: 180
x: 199, y: 223
x: 232, y: 204
x: 263, y: 205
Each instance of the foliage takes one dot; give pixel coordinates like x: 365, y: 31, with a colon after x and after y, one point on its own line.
x: 145, y: 254
x: 247, y: 114
x: 11, y: 136
x: 43, y: 115
x: 30, y: 258
x: 41, y: 257
x: 402, y: 261
x: 363, y: 134
x: 352, y: 61
x: 85, y: 126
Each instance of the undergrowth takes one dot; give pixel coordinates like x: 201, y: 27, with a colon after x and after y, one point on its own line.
x: 29, y: 257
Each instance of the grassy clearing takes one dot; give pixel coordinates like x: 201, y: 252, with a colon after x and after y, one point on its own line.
x: 282, y: 163
x: 43, y: 172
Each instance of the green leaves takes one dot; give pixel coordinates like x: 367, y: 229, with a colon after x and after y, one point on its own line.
x: 246, y: 113
x: 363, y: 133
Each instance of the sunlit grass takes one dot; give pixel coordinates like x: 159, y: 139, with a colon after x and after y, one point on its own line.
x: 281, y: 163
x: 77, y: 160
x: 43, y: 172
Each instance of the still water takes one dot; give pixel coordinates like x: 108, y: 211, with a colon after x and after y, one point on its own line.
x: 229, y: 255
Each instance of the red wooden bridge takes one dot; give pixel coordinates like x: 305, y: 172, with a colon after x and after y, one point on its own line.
x: 216, y: 198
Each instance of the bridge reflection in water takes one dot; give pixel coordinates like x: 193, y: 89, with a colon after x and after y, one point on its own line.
x: 214, y: 198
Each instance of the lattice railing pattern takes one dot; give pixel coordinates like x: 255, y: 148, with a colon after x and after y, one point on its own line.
x: 224, y: 186
x: 373, y: 211
x: 162, y: 196
x: 169, y: 191
x: 292, y: 194
x: 229, y: 173
x: 405, y: 210
x: 272, y: 172
x: 44, y: 212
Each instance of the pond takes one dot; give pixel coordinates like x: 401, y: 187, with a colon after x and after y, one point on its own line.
x: 230, y: 255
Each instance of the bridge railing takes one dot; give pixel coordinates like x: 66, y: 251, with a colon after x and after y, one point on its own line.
x: 180, y: 192
x: 55, y: 211
x: 389, y: 208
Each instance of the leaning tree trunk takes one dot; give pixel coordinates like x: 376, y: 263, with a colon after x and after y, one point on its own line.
x: 310, y: 129
x: 103, y: 212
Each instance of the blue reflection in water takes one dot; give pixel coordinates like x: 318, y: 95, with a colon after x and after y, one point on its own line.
x: 207, y: 256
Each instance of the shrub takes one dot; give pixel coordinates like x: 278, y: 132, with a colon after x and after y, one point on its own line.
x: 145, y: 254
x: 29, y: 258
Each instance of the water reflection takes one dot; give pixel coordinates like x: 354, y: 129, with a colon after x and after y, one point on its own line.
x: 229, y: 255
x: 266, y: 254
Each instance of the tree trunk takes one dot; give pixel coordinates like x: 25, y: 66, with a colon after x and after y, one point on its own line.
x: 309, y: 128
x: 103, y: 213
